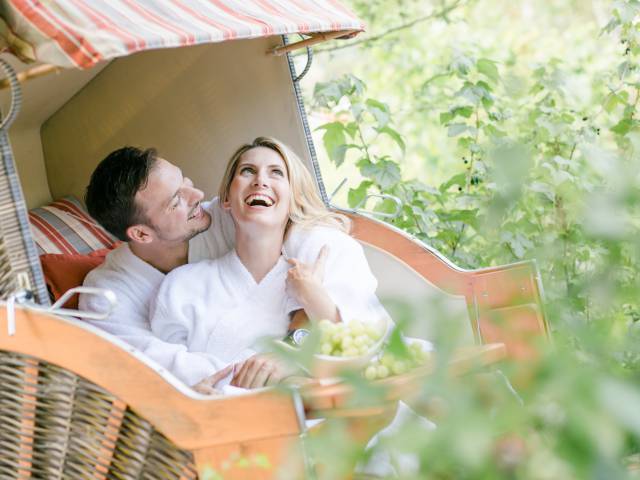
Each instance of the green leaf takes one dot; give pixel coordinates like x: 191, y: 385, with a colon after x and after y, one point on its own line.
x: 327, y: 93
x: 543, y: 188
x: 623, y: 126
x: 489, y: 69
x: 379, y: 110
x: 385, y: 173
x: 461, y: 64
x: 334, y: 140
x: 465, y: 111
x: 460, y: 179
x: 208, y: 473
x: 445, y: 117
x: 456, y: 129
x: 357, y: 195
x: 395, y: 136
x: 611, y: 102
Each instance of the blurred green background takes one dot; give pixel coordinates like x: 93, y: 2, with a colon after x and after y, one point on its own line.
x: 509, y: 130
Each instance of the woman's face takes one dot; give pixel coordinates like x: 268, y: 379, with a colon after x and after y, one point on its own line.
x: 260, y: 193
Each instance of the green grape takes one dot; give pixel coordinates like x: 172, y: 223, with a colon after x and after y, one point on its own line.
x: 350, y: 352
x: 387, y: 359
x: 383, y: 372
x: 356, y: 327
x: 362, y: 340
x: 399, y: 367
x: 371, y: 372
x: 326, y: 348
x: 347, y: 341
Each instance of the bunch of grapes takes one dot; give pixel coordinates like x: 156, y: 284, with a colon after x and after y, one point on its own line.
x: 348, y: 339
x: 388, y: 364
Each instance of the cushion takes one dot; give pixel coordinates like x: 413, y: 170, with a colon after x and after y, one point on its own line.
x: 65, y: 271
x: 64, y: 226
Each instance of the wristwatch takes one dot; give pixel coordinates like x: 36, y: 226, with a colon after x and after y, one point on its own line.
x: 296, y: 337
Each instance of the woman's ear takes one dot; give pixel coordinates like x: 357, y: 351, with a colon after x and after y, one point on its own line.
x: 226, y: 205
x: 139, y: 234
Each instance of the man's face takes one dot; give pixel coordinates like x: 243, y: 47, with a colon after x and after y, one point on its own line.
x: 171, y: 205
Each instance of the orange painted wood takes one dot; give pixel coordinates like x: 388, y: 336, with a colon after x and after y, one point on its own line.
x: 27, y: 419
x: 425, y: 262
x: 334, y: 400
x: 189, y: 422
x: 489, y: 292
x: 257, y: 460
x: 110, y: 438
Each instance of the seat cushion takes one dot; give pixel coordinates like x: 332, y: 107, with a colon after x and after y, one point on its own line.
x: 63, y: 271
x: 64, y: 226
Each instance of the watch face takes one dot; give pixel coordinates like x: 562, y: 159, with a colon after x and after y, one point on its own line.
x: 299, y: 335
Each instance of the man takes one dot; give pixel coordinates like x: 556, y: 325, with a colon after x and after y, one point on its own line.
x: 146, y: 202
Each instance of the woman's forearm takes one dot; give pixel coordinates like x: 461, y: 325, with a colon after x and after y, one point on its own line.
x: 318, y: 305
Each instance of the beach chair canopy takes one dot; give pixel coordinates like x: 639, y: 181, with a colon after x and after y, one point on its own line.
x: 69, y: 33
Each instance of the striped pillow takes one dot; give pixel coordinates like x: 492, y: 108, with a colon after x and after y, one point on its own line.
x: 64, y: 226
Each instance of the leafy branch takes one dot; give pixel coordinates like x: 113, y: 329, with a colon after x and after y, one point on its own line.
x: 441, y: 13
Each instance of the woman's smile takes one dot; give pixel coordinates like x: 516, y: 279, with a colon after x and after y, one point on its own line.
x: 259, y: 200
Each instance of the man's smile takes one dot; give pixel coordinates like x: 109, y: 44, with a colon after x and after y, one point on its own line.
x: 196, y: 213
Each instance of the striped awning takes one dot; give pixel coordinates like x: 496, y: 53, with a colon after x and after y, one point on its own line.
x: 81, y: 33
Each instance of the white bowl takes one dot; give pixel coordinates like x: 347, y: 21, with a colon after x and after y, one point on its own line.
x: 325, y: 366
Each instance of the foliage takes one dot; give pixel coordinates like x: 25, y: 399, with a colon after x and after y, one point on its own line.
x: 538, y: 172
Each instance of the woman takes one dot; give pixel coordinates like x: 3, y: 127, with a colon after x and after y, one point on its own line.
x: 225, y: 306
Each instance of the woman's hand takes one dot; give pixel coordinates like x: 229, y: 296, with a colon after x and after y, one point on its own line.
x: 304, y: 283
x: 261, y: 370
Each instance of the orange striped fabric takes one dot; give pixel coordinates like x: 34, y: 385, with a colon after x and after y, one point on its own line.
x: 64, y: 226
x: 76, y: 33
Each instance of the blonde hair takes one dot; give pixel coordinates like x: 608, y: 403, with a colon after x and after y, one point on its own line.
x: 306, y: 208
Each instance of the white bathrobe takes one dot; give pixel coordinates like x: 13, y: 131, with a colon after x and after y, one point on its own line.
x: 217, y: 307
x: 347, y: 277
x: 136, y: 283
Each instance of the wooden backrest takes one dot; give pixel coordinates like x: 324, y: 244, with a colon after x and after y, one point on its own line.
x: 504, y: 303
x: 74, y: 399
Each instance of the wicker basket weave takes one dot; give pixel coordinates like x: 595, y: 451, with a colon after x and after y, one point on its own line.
x: 55, y: 424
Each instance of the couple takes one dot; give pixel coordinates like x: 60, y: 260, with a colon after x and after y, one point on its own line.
x: 266, y: 251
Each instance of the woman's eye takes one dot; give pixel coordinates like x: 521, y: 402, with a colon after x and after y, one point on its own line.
x: 245, y: 170
x: 279, y: 172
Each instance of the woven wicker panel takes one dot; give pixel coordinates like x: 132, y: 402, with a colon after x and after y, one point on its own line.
x: 55, y: 424
x: 8, y: 282
x: 14, y: 227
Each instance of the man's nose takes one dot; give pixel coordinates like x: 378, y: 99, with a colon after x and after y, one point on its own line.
x: 195, y: 195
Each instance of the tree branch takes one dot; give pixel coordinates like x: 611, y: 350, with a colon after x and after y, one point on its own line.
x: 438, y: 14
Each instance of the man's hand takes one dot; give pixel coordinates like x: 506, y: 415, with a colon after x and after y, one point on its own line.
x: 207, y: 386
x: 261, y: 370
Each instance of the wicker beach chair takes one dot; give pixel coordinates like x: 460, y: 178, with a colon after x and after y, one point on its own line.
x: 75, y: 403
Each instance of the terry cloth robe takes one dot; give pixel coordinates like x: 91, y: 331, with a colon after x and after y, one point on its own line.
x: 347, y: 277
x: 217, y: 307
x: 135, y: 284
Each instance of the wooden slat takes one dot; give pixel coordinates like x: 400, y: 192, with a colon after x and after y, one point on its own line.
x: 27, y: 419
x: 189, y: 422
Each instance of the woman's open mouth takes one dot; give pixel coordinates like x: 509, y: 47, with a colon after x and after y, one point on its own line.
x: 259, y: 200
